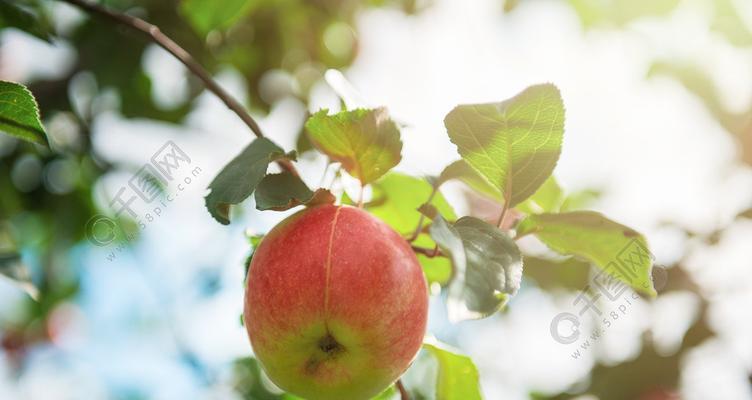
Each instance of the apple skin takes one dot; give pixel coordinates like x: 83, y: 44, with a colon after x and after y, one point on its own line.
x: 336, y: 304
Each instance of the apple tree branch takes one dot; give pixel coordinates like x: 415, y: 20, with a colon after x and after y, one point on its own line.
x: 156, y: 35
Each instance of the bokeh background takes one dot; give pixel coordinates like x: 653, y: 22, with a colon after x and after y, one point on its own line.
x: 658, y: 136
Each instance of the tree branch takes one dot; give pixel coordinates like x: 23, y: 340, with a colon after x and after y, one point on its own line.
x: 156, y: 35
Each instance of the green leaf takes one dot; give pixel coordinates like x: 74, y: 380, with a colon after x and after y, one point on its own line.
x: 570, y: 274
x: 614, y: 248
x: 19, y: 113
x: 281, y: 192
x: 303, y: 143
x: 487, y: 267
x: 239, y: 178
x: 365, y: 141
x: 398, y: 197
x: 514, y: 144
x: 284, y: 191
x: 458, y: 377
x: 548, y: 198
x: 580, y: 199
x: 450, y: 243
x: 28, y: 19
x: 494, y: 267
x: 206, y: 16
x: 462, y: 171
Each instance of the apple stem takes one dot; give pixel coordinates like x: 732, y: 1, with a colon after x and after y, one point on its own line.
x: 404, y: 395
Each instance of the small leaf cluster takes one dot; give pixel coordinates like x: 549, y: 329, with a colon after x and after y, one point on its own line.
x: 247, y: 173
x: 508, y: 153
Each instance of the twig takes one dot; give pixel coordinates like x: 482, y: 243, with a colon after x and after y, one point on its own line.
x: 418, y: 228
x: 156, y: 35
x: 404, y: 395
x: 430, y: 253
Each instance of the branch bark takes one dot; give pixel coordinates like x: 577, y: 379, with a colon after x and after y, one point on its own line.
x: 156, y: 36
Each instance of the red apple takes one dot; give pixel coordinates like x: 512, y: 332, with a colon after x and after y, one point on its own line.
x: 335, y: 304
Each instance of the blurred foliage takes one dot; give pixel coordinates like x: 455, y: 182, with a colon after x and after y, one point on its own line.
x: 11, y: 265
x: 728, y: 22
x: 46, y: 195
x: 550, y: 275
x: 699, y: 82
x: 618, y: 13
x: 206, y: 16
x: 28, y: 19
x: 651, y: 375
